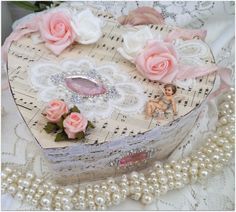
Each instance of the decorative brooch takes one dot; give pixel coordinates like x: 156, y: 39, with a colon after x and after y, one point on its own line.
x: 69, y: 124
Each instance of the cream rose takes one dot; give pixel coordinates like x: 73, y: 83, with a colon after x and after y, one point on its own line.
x: 158, y: 61
x: 55, y: 29
x: 87, y: 27
x: 54, y: 110
x: 74, y: 123
x: 134, y: 43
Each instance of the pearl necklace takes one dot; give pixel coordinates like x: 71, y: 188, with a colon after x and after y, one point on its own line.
x: 210, y: 158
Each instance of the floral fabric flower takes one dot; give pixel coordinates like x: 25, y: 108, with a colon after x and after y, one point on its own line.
x: 74, y: 123
x: 56, y: 30
x: 158, y: 61
x: 87, y: 27
x: 55, y: 110
x: 134, y: 42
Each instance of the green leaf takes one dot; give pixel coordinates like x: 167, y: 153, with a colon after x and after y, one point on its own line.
x: 62, y: 136
x: 90, y: 125
x: 80, y: 135
x: 51, y: 127
x: 60, y: 123
x: 74, y: 110
x: 25, y: 5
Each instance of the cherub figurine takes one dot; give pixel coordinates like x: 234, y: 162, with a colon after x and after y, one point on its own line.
x: 164, y: 102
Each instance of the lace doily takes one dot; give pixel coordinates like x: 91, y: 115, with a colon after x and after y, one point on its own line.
x: 124, y: 95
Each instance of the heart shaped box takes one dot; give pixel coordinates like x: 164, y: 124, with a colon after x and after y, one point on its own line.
x: 123, y: 141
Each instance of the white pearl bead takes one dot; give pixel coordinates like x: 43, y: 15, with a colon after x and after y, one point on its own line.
x: 202, y: 165
x: 8, y: 170
x: 170, y: 177
x: 146, y: 190
x: 20, y: 195
x: 223, y: 120
x: 218, y: 167
x: 215, y: 158
x: 215, y: 137
x: 99, y: 200
x: 40, y: 190
x: 29, y: 198
x: 158, y: 165
x: 147, y: 199
x: 4, y: 175
x: 228, y: 155
x: 185, y: 168
x: 25, y: 183
x: 116, y: 198
x: 136, y: 196
x: 156, y: 186
x: 164, y: 189
x: 30, y: 175
x: 80, y: 206
x: 160, y: 171
x: 177, y: 167
x: 163, y: 180
x: 90, y: 196
x: 10, y: 180
x: 169, y: 171
x: 203, y: 174
x: 32, y: 191
x: 35, y: 202
x: 4, y: 184
x: 171, y: 185
x: 193, y: 171
x: 178, y: 184
x: 69, y: 191
x: 220, y: 141
x: 34, y: 185
x: 82, y: 191
x: 137, y: 189
x: 110, y: 181
x: 68, y: 207
x: 46, y: 201
x: 178, y: 176
x: 12, y: 189
x: 37, y: 196
x: 101, y: 208
x: 65, y: 200
x: 134, y: 175
x: 154, y: 180
x: 227, y: 147
x: 57, y: 204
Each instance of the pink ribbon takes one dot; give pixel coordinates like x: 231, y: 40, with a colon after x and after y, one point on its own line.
x: 185, y: 34
x: 225, y: 82
x: 19, y: 31
x: 191, y: 72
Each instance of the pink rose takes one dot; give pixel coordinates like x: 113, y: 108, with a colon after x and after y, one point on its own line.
x: 56, y: 31
x: 158, y: 61
x: 55, y: 109
x: 74, y: 123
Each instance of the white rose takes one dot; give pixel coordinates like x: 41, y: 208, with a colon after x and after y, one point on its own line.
x: 87, y: 27
x: 134, y: 43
